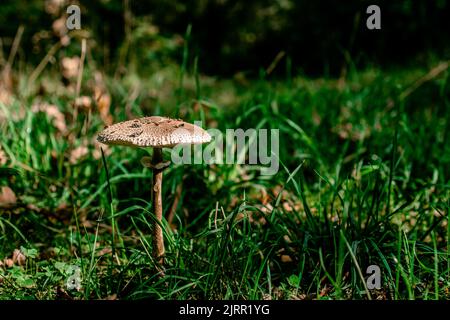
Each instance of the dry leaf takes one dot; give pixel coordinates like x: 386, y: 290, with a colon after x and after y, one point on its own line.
x: 266, y: 296
x: 9, y: 263
x: 77, y: 154
x: 353, y: 132
x: 59, y: 27
x: 325, y: 290
x: 6, y: 85
x: 69, y: 67
x: 65, y: 40
x: 103, y: 100
x: 5, y: 96
x: 59, y: 121
x: 3, y: 157
x: 6, y: 78
x: 18, y: 257
x: 104, y: 251
x: 83, y: 102
x: 53, y: 7
x: 7, y: 197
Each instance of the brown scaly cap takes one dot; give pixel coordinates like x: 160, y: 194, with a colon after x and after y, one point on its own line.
x: 158, y: 132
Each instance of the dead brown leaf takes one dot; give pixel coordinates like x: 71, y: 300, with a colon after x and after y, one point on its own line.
x: 52, y: 111
x: 104, y: 251
x: 6, y: 85
x: 9, y: 263
x: 83, y: 102
x: 7, y: 197
x: 266, y: 296
x: 325, y: 290
x: 53, y: 7
x: 69, y: 67
x: 77, y: 154
x: 3, y: 157
x: 7, y: 79
x: 59, y: 26
x: 5, y: 97
x: 65, y: 40
x: 18, y: 257
x: 103, y: 100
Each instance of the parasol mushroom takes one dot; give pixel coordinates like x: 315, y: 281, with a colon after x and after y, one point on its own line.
x: 157, y: 133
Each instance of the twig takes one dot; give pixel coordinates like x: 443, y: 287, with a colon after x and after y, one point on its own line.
x: 275, y: 62
x: 15, y: 45
x: 433, y: 73
x: 6, y: 79
x: 36, y: 72
x: 81, y: 67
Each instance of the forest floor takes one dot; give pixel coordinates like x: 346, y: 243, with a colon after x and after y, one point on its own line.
x: 363, y: 180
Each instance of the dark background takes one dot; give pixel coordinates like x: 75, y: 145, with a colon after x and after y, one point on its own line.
x: 319, y: 37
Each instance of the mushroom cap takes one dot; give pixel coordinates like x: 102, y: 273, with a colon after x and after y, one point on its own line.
x: 158, y: 132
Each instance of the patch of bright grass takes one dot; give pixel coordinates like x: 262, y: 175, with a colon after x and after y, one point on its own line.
x: 364, y: 181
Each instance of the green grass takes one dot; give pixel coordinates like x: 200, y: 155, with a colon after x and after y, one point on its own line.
x: 363, y: 180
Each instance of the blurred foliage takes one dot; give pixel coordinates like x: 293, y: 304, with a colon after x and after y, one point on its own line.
x: 319, y: 37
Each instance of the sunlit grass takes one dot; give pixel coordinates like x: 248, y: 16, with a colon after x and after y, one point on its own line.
x: 364, y: 180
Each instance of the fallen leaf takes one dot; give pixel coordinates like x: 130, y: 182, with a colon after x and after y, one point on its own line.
x: 104, y: 251
x: 53, y: 7
x: 3, y: 158
x: 83, y: 102
x: 325, y: 290
x: 7, y: 197
x: 59, y: 26
x: 18, y: 257
x: 65, y: 40
x: 53, y: 112
x: 103, y: 100
x: 6, y: 78
x: 5, y: 97
x: 69, y: 67
x: 266, y: 296
x: 6, y: 85
x: 77, y: 154
x: 9, y: 263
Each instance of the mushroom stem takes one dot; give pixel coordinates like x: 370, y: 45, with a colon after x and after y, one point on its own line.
x: 158, y: 240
